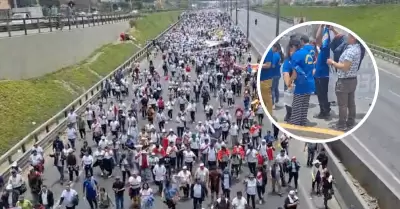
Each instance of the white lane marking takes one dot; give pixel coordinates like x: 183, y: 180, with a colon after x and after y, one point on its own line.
x: 390, y: 73
x: 394, y: 93
x: 376, y: 159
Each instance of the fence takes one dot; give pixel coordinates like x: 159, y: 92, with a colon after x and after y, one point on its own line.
x: 28, y: 24
x: 45, y: 133
x: 383, y: 53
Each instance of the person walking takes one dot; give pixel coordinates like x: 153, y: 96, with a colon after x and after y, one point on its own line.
x: 46, y: 198
x: 198, y: 193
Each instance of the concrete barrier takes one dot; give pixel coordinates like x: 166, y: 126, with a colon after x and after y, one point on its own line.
x: 358, y: 168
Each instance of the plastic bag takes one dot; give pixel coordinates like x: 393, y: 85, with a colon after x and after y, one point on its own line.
x: 332, y: 84
x: 288, y: 97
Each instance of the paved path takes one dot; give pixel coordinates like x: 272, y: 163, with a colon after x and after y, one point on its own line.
x: 307, y: 202
x: 377, y: 139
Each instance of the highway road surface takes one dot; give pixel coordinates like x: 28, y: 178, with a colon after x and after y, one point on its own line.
x: 377, y: 141
x: 272, y: 201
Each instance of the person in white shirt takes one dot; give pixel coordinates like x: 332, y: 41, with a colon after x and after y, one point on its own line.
x: 239, y: 202
x: 15, y: 180
x: 145, y: 193
x: 204, y: 149
x: 251, y: 189
x: 234, y: 132
x: 72, y: 118
x: 282, y: 159
x: 37, y: 161
x: 159, y: 172
x: 171, y: 152
x: 108, y: 161
x: 202, y: 173
x: 185, y: 178
x: 38, y: 149
x: 189, y: 157
x: 68, y: 197
x: 87, y: 164
x: 71, y: 135
x: 89, y: 117
x: 114, y: 126
x: 134, y: 182
x: 251, y: 155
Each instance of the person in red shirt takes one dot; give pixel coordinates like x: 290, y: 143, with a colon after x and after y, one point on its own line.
x: 159, y: 151
x: 270, y: 152
x: 164, y: 141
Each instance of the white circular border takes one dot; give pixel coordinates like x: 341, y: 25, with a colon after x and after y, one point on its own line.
x: 376, y: 82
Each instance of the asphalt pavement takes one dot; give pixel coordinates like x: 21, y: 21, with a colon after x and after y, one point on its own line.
x: 376, y: 141
x: 51, y: 175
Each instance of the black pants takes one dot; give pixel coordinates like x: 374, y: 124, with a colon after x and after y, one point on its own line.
x: 92, y: 203
x: 82, y: 133
x: 295, y: 176
x: 321, y: 85
x: 261, y: 191
x: 235, y: 169
x: 197, y: 203
x: 71, y: 171
x: 193, y: 116
x: 160, y: 186
x: 72, y: 207
x: 125, y: 175
x: 310, y: 157
x: 88, y: 170
x: 227, y: 193
x: 252, y: 168
x: 253, y: 200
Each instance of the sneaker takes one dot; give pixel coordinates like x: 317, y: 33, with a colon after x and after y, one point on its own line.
x: 260, y: 202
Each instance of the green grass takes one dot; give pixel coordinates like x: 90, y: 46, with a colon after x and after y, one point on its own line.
x: 37, y: 100
x: 379, y: 25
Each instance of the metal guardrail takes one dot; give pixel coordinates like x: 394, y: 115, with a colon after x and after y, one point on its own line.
x: 44, y: 134
x: 7, y: 25
x: 383, y: 53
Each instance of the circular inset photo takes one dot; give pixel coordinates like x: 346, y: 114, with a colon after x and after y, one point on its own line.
x: 318, y: 81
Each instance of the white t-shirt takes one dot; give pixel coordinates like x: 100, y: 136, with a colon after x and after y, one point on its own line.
x: 239, y: 204
x: 135, y: 182
x: 87, y: 160
x: 68, y: 197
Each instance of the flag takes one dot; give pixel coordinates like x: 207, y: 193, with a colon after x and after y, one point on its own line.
x: 326, y: 40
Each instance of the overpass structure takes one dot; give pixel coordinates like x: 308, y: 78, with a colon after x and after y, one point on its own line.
x: 360, y: 143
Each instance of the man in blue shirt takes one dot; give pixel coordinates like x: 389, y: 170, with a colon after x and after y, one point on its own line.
x: 90, y: 191
x: 321, y: 73
x: 266, y: 80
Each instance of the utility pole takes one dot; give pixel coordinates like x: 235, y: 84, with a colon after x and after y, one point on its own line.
x: 248, y: 20
x: 236, y: 12
x: 278, y: 16
x: 230, y: 6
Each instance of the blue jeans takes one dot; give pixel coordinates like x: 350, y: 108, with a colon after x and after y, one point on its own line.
x: 275, y: 89
x: 119, y: 202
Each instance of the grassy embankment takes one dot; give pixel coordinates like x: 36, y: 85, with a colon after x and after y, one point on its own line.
x: 36, y: 100
x: 379, y: 25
